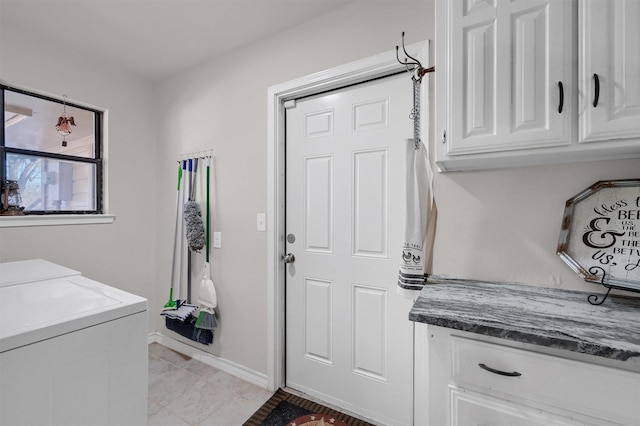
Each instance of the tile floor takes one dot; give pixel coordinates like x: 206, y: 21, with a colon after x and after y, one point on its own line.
x: 183, y: 391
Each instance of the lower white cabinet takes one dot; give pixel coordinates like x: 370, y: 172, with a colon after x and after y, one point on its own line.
x: 469, y: 379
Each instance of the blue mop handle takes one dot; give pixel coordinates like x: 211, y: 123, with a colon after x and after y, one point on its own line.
x: 190, y: 195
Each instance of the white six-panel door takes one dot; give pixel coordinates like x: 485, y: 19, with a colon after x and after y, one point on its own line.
x: 349, y: 341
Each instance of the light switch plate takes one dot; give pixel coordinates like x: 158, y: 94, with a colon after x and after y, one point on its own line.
x: 261, y: 222
x: 217, y: 240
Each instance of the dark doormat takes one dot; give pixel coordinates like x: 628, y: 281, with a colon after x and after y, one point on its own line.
x: 285, y: 409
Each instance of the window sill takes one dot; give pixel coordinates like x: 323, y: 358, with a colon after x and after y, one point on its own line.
x: 54, y: 220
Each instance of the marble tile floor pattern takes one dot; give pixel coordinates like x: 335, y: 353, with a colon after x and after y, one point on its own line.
x: 186, y: 392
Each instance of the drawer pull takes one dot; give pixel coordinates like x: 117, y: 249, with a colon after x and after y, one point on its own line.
x: 596, y: 95
x: 561, y: 102
x: 502, y: 373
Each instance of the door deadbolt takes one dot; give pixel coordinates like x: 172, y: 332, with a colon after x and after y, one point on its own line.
x: 291, y: 238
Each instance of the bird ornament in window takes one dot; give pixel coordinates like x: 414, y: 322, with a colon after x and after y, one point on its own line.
x: 64, y: 123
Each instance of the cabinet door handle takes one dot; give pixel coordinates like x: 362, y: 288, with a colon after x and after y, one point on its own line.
x: 561, y: 103
x: 502, y: 373
x: 596, y: 88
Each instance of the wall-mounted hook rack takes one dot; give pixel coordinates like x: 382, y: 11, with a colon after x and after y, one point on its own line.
x: 204, y: 154
x: 412, y: 64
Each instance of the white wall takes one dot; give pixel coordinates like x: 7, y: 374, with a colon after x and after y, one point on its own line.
x: 223, y: 104
x: 121, y: 254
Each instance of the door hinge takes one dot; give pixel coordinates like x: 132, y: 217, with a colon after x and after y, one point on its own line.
x: 444, y: 136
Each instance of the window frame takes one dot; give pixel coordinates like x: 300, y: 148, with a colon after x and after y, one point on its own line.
x: 96, y: 160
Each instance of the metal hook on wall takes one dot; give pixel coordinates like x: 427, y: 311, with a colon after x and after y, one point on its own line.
x: 413, y: 65
x: 204, y: 154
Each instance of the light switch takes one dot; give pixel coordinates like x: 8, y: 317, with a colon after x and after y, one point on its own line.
x: 261, y: 222
x: 217, y: 240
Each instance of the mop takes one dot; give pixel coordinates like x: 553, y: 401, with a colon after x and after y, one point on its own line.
x: 181, y: 311
x: 207, y: 292
x: 171, y: 304
x: 190, y: 226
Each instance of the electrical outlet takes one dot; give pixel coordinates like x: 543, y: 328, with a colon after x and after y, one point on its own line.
x: 217, y: 240
x: 261, y: 222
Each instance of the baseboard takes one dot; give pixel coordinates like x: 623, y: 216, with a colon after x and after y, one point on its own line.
x: 222, y: 364
x: 153, y: 337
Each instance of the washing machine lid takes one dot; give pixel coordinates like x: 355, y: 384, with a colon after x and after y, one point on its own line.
x: 39, y: 310
x: 25, y: 271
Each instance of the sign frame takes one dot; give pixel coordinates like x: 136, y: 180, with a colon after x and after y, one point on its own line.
x: 600, y: 234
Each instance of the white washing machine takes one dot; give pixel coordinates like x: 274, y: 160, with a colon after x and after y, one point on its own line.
x: 73, y: 351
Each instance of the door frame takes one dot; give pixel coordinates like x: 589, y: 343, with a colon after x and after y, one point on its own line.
x: 380, y: 65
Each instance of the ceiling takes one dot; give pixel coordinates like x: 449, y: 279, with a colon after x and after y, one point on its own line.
x: 157, y: 38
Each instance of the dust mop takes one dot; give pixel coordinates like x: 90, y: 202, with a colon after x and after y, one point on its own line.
x: 207, y: 292
x: 193, y: 215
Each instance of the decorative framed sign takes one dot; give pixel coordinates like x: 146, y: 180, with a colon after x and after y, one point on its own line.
x: 600, y: 235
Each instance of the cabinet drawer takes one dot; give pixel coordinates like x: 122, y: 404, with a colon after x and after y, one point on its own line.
x: 604, y: 392
x: 470, y: 408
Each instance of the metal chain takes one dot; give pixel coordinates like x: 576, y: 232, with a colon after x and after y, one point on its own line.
x: 415, y: 113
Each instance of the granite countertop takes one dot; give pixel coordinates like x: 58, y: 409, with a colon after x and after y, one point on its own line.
x: 561, y: 319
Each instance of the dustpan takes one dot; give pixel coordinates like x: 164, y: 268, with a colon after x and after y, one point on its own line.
x: 207, y: 291
x: 208, y: 301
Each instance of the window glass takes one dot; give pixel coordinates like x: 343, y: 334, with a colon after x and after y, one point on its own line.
x: 52, y: 185
x: 30, y: 124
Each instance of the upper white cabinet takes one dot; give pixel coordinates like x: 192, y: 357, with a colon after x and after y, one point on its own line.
x: 507, y: 82
x: 609, y: 102
x: 507, y: 66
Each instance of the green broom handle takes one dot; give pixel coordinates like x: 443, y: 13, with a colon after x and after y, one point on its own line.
x: 208, y: 219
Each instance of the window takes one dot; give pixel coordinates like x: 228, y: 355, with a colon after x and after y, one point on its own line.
x: 55, y: 173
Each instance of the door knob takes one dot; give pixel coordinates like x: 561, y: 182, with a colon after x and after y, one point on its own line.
x: 288, y: 258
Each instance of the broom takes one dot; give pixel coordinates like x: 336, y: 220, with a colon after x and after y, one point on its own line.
x: 207, y: 291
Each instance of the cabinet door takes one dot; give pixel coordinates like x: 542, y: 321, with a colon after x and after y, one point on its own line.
x: 504, y: 64
x: 95, y: 376
x: 470, y: 408
x: 609, y: 46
